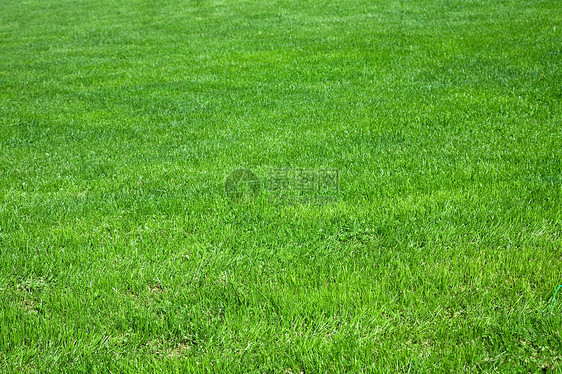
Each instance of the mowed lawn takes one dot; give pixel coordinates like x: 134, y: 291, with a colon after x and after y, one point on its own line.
x: 121, y: 252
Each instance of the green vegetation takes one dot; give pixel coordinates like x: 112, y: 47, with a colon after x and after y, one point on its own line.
x: 119, y: 250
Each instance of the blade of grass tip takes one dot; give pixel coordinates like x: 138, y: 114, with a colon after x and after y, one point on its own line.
x: 554, y: 297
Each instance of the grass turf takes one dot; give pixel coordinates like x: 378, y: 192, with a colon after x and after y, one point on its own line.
x: 120, y: 251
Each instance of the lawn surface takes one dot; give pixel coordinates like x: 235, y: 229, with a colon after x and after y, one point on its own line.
x: 120, y: 251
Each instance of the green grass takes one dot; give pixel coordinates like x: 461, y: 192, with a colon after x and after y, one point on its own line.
x: 120, y: 120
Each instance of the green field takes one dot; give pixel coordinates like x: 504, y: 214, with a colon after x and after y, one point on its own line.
x: 121, y: 250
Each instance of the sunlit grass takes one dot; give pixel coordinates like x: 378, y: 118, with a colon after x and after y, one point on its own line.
x: 120, y: 251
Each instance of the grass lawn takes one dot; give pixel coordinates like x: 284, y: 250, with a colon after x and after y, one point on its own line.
x: 121, y: 251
